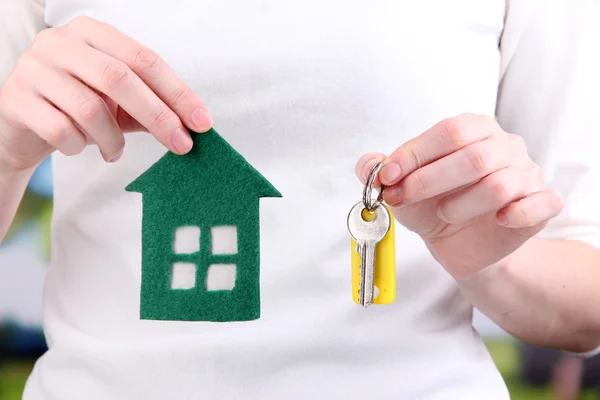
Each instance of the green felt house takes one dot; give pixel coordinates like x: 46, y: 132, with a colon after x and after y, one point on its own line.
x: 200, y: 234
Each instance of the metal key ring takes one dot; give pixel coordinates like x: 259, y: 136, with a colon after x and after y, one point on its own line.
x: 367, y: 201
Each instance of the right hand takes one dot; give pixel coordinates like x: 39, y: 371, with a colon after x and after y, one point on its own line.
x: 86, y: 82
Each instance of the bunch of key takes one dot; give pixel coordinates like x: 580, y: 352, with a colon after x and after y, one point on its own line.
x: 371, y: 226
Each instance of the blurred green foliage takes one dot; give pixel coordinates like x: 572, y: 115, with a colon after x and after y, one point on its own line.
x: 34, y: 209
x: 12, y: 379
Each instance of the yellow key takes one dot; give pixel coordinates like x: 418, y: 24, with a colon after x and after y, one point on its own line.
x: 385, y: 264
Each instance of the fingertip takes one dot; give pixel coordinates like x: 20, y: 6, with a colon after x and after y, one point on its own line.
x: 202, y: 119
x: 560, y: 199
x: 441, y: 215
x: 117, y: 157
x: 358, y: 167
x: 556, y: 203
x: 390, y: 173
x: 181, y: 141
x: 502, y: 218
x: 393, y: 195
x: 364, y: 165
x: 110, y: 156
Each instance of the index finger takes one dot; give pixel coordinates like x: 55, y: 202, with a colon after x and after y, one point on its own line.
x: 149, y: 67
x: 445, y: 137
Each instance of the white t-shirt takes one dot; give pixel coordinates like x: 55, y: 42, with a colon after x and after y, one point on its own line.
x: 302, y: 89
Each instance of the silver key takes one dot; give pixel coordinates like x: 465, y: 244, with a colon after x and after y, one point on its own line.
x: 367, y: 235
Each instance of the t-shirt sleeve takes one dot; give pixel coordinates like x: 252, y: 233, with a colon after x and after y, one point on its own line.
x: 20, y: 21
x: 550, y: 94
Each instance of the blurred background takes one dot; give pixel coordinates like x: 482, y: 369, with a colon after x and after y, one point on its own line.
x: 531, y: 373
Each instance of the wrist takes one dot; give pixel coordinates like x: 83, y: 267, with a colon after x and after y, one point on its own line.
x: 488, y: 272
x: 495, y: 291
x: 13, y: 183
x: 10, y: 170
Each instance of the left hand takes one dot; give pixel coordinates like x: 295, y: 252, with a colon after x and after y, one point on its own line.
x: 469, y: 189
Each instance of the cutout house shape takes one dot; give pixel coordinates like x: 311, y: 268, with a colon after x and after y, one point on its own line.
x: 209, y: 195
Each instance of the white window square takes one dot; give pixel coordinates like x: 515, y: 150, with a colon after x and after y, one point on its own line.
x: 183, y: 275
x: 187, y: 240
x: 220, y: 277
x: 223, y: 240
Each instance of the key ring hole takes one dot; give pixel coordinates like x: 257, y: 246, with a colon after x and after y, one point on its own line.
x: 368, y: 215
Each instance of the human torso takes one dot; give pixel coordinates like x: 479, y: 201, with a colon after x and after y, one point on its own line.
x: 302, y: 90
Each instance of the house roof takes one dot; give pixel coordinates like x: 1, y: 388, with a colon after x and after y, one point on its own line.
x: 212, y: 168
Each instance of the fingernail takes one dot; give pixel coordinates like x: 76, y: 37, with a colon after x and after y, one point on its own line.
x: 441, y: 214
x: 202, y: 119
x: 117, y: 157
x: 502, y: 218
x: 182, y: 142
x: 390, y: 173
